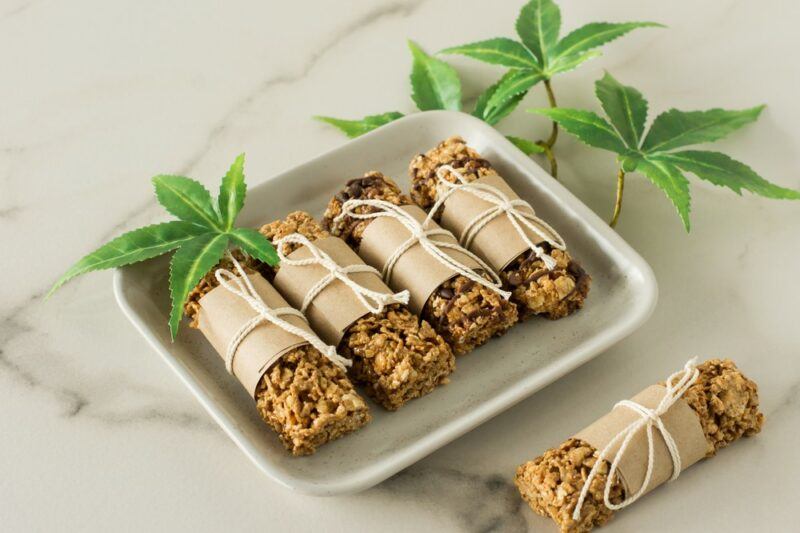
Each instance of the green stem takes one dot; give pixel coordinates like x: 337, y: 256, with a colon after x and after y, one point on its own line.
x: 548, y: 144
x: 551, y: 97
x: 551, y: 158
x: 618, y: 202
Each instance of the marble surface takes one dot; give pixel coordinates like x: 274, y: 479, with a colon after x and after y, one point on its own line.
x: 96, y: 433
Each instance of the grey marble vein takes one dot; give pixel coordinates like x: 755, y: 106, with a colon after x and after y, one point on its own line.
x: 16, y: 10
x: 10, y: 212
x: 479, y: 503
x: 359, y: 24
x: 69, y: 394
x: 787, y: 401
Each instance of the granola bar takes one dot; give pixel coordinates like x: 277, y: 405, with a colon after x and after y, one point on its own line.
x: 726, y: 403
x: 536, y: 290
x: 465, y: 313
x: 396, y: 357
x: 304, y: 397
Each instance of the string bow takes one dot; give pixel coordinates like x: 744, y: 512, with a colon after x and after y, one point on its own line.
x: 241, y: 286
x: 649, y: 419
x: 501, y: 204
x: 374, y: 301
x: 421, y: 233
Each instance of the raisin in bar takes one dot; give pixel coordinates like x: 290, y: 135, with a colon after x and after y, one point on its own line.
x: 395, y: 356
x: 552, y: 293
x: 726, y: 404
x: 307, y: 399
x: 465, y: 313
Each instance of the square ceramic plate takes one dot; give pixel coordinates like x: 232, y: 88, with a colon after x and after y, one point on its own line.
x: 486, y: 381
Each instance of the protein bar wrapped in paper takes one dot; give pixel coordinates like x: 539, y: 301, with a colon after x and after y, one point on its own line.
x: 702, y: 409
x: 462, y: 302
x: 303, y: 394
x: 395, y: 356
x: 473, y: 201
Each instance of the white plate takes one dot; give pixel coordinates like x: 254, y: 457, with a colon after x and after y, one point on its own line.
x: 487, y: 381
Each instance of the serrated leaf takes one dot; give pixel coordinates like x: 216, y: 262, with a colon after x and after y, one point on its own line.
x: 724, y: 171
x: 499, y: 51
x: 255, y: 244
x: 625, y: 106
x: 527, y: 146
x: 570, y: 62
x: 189, y: 264
x: 538, y: 25
x: 596, y: 34
x: 132, y: 247
x: 187, y: 199
x: 232, y: 191
x: 669, y: 179
x: 514, y: 83
x: 674, y: 128
x: 434, y: 83
x: 587, y: 126
x: 493, y: 115
x: 496, y: 114
x: 355, y: 128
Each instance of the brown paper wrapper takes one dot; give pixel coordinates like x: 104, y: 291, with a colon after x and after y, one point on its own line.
x: 498, y: 242
x: 680, y: 420
x: 415, y: 270
x: 336, y: 307
x: 223, y: 313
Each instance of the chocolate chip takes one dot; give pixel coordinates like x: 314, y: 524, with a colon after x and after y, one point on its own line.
x: 536, y: 275
x: 465, y: 287
x: 446, y: 293
x: 354, y: 190
x: 478, y: 313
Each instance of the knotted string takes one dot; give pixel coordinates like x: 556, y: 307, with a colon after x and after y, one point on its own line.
x: 648, y: 418
x: 501, y: 204
x: 241, y: 286
x: 374, y: 301
x: 421, y: 234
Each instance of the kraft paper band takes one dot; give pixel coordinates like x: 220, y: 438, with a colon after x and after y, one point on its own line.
x: 336, y: 307
x: 416, y: 270
x: 222, y: 315
x: 681, y: 422
x: 498, y: 242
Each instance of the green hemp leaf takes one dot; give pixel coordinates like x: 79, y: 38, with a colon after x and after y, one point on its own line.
x: 201, y: 236
x: 539, y: 56
x: 653, y: 153
x: 356, y: 128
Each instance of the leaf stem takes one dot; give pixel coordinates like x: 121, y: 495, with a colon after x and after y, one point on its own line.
x: 551, y: 158
x: 548, y: 144
x: 551, y: 97
x: 618, y: 202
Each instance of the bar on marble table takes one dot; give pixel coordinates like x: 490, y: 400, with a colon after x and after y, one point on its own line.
x: 725, y: 403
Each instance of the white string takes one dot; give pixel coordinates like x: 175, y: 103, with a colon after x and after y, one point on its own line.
x: 501, y: 204
x: 242, y: 287
x: 648, y: 418
x: 421, y: 234
x: 374, y: 301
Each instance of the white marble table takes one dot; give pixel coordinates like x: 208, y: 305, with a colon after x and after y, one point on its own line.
x: 96, y: 97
